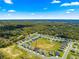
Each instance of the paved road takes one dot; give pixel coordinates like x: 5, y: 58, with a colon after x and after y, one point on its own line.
x: 67, y: 50
x: 30, y: 51
x: 43, y: 57
x: 54, y: 58
x: 63, y: 57
x: 65, y: 53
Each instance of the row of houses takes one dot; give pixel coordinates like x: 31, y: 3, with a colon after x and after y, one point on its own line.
x: 36, y: 35
x: 41, y: 51
x: 63, y: 46
x: 75, y: 48
x: 26, y: 44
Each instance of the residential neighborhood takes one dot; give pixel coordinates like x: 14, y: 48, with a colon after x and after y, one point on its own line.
x: 64, y: 47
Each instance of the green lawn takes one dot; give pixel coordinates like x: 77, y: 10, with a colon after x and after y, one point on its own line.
x: 43, y: 43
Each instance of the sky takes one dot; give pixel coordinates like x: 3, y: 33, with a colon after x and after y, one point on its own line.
x: 39, y: 9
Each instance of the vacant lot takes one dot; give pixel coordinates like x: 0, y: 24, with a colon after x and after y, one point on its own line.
x: 43, y: 43
x: 13, y: 52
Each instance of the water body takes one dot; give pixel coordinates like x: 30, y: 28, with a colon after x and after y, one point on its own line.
x: 42, y: 21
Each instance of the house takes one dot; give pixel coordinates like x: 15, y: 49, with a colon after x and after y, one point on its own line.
x: 24, y: 45
x: 73, y: 50
x: 57, y: 53
x: 36, y: 49
x: 51, y: 53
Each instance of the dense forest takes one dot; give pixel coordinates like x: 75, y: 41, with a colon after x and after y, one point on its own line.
x: 10, y: 30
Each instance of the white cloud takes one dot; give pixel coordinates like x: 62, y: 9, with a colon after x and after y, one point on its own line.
x: 11, y: 11
x: 70, y: 4
x: 8, y: 1
x: 45, y: 16
x: 56, y: 1
x: 70, y: 11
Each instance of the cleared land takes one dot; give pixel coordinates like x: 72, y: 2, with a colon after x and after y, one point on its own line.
x: 13, y: 52
x: 43, y: 43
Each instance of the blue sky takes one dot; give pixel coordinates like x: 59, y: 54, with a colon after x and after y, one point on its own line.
x: 39, y: 9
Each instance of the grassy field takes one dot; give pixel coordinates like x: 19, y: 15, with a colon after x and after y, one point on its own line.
x: 13, y: 52
x: 46, y: 44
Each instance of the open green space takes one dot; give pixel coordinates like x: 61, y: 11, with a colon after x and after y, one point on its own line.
x: 50, y: 47
x: 10, y: 30
x: 45, y: 44
x: 13, y: 52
